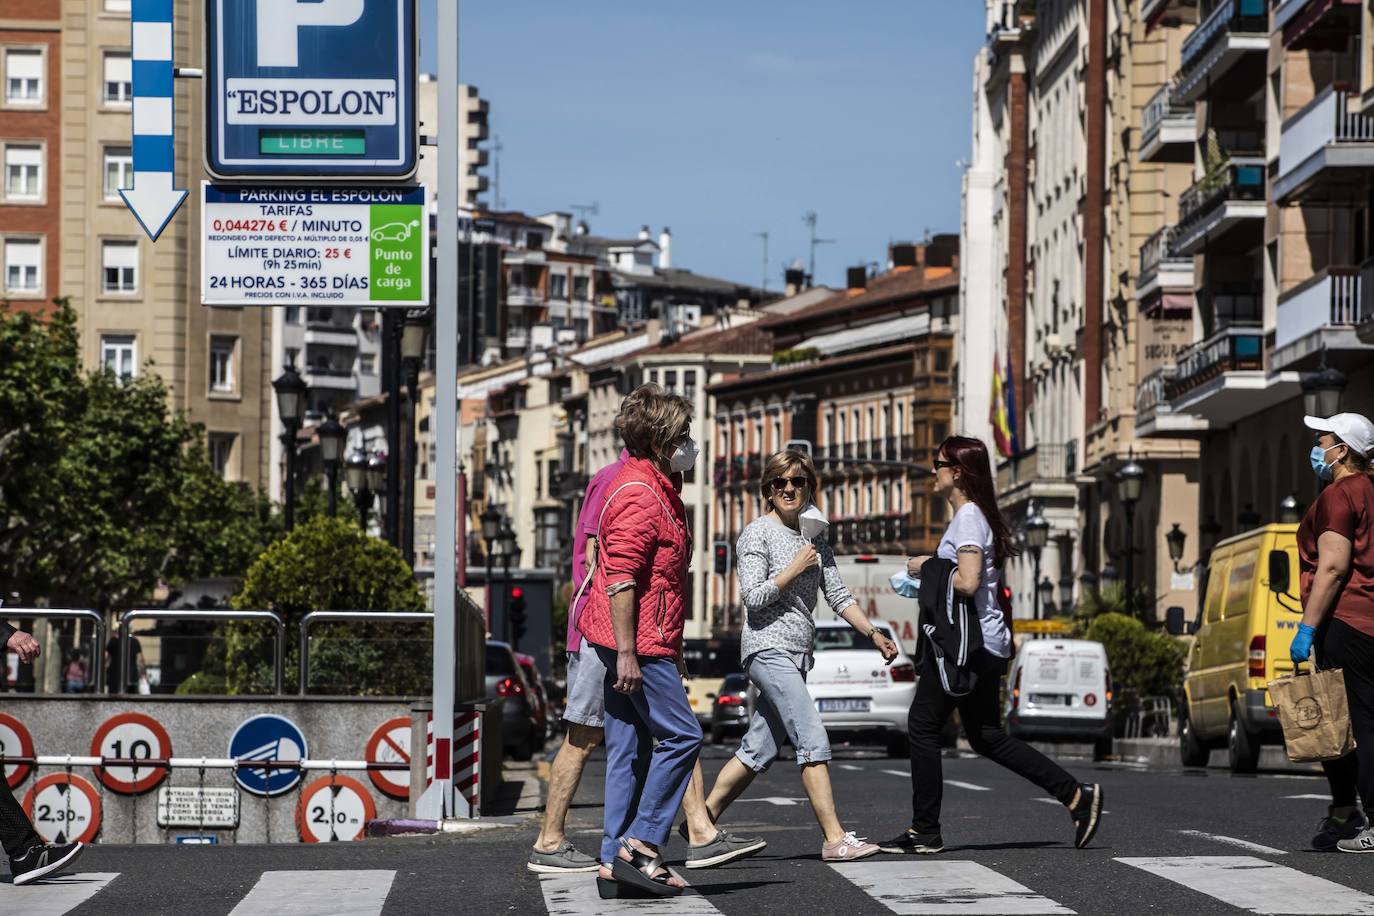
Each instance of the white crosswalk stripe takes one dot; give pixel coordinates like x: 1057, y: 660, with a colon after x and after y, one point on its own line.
x: 576, y: 895
x: 52, y: 897
x: 1256, y: 885
x: 317, y: 893
x: 945, y: 886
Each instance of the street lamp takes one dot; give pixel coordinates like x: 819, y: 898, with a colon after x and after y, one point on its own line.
x: 1321, y: 391
x: 491, y: 530
x: 508, y: 551
x: 1109, y: 575
x: 376, y: 482
x: 413, y: 336
x: 1129, y: 482
x: 356, y: 477
x: 1045, y: 594
x: 291, y: 392
x: 1037, y: 534
x: 1176, y: 538
x: 331, y: 435
x: 1290, y: 510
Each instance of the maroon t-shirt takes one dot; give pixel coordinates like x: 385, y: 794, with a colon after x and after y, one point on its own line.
x: 1347, y: 508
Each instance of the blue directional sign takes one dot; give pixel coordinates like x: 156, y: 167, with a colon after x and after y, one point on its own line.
x: 311, y: 90
x: 268, y: 738
x: 154, y: 197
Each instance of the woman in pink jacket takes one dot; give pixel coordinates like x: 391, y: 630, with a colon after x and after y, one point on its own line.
x: 634, y: 622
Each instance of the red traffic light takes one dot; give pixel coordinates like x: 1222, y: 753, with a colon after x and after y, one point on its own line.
x: 517, y: 592
x: 720, y: 550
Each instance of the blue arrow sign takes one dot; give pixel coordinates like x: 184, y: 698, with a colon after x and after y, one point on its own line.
x: 154, y: 199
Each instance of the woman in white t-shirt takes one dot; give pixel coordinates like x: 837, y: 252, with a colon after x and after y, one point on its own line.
x: 978, y: 540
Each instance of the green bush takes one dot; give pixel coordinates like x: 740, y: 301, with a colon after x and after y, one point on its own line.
x: 1143, y: 663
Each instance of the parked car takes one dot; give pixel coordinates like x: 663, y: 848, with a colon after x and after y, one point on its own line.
x: 855, y: 691
x: 730, y: 711
x: 1243, y: 628
x: 540, y: 698
x: 1061, y: 690
x: 520, y: 733
x: 708, y: 661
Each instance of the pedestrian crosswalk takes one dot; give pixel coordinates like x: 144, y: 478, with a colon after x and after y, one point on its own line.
x: 951, y: 885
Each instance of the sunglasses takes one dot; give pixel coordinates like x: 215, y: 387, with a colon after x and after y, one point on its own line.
x: 941, y: 463
x: 798, y: 483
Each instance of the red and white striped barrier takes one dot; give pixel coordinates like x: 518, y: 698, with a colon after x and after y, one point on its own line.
x: 466, y: 761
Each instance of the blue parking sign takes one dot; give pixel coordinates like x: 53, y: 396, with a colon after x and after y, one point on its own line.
x: 268, y: 738
x: 311, y: 89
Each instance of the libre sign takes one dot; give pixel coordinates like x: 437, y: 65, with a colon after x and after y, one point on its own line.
x: 317, y: 89
x: 314, y: 246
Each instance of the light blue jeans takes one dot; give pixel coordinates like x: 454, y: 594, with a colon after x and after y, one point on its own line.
x: 785, y: 710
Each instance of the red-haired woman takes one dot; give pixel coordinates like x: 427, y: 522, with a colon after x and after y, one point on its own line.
x: 978, y: 540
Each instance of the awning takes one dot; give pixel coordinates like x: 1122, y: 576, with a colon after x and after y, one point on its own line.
x: 879, y: 333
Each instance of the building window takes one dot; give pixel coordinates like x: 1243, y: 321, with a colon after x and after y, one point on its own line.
x: 857, y: 431
x: 23, y: 266
x: 119, y: 263
x: 222, y: 363
x: 900, y: 428
x: 24, y: 77
x: 119, y: 79
x: 23, y: 172
x: 367, y: 364
x: 119, y: 171
x: 221, y: 447
x: 117, y: 6
x: 119, y: 355
x: 580, y: 289
x: 689, y: 384
x: 558, y: 286
x: 670, y: 379
x: 777, y: 434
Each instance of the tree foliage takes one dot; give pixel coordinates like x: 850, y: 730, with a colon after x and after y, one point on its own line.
x: 104, y: 492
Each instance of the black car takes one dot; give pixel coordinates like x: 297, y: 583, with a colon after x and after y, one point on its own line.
x: 521, y: 733
x: 730, y: 709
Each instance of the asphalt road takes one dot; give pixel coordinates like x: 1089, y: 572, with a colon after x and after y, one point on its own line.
x: 1195, y: 842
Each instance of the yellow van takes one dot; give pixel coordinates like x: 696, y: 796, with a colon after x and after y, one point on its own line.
x: 1249, y: 614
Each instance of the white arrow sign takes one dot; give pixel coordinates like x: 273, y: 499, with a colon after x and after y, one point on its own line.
x: 153, y: 200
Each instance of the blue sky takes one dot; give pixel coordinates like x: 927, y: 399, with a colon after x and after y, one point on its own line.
x: 723, y: 119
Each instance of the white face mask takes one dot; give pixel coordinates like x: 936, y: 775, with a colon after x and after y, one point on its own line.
x: 812, y: 522
x: 683, y: 457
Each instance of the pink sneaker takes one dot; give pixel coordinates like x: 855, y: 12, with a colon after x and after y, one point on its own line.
x: 847, y: 848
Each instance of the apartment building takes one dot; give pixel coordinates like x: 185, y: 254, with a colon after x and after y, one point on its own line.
x: 30, y: 154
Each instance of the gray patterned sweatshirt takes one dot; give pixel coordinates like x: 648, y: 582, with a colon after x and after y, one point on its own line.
x: 782, y: 618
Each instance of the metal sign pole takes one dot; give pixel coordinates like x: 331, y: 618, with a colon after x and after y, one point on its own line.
x: 438, y: 800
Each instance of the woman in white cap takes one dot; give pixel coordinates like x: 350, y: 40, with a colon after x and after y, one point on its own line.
x: 1336, y: 556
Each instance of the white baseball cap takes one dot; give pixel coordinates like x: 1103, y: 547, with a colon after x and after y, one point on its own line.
x: 1353, y: 429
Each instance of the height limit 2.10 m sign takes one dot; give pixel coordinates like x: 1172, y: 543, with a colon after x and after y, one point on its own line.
x: 311, y: 89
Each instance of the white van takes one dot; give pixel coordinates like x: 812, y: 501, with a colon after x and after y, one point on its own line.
x: 1061, y: 690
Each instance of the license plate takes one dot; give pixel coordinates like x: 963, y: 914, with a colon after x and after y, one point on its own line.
x: 843, y: 705
x: 1049, y: 699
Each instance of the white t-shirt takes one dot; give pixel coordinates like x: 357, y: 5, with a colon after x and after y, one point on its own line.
x: 970, y: 528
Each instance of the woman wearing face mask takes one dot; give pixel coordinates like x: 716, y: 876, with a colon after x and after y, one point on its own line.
x: 634, y: 623
x: 1336, y: 560
x: 780, y: 572
x: 978, y: 540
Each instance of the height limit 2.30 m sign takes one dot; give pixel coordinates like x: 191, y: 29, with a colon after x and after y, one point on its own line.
x: 315, y: 89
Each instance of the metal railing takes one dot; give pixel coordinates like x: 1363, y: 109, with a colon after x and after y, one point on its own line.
x: 1152, y: 396
x: 171, y: 614
x: 97, y: 622
x: 1235, y: 180
x: 1157, y: 249
x: 1233, y: 348
x: 1161, y: 108
x: 349, y: 616
x: 1227, y: 16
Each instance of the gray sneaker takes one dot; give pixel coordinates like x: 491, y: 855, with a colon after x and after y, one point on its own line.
x: 564, y: 860
x: 1361, y: 842
x: 726, y: 847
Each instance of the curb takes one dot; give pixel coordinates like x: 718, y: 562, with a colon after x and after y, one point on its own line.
x: 409, y: 827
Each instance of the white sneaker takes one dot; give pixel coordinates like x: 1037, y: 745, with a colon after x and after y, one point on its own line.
x: 848, y: 848
x: 1360, y: 842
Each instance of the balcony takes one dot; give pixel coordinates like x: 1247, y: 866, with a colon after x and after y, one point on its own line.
x: 329, y: 378
x: 331, y: 335
x: 524, y: 295
x: 1230, y: 198
x: 517, y: 339
x: 1321, y: 313
x: 1222, y: 379
x: 1320, y: 24
x: 1154, y: 414
x: 1153, y: 12
x: 1043, y: 462
x: 1217, y: 50
x: 1166, y: 278
x: 1167, y: 128
x: 1326, y: 151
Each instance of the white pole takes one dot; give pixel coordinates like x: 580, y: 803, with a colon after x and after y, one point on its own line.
x: 438, y: 801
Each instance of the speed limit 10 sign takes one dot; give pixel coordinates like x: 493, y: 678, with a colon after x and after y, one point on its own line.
x: 131, y: 736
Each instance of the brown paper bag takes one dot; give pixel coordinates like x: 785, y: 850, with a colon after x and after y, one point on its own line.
x: 1315, y: 715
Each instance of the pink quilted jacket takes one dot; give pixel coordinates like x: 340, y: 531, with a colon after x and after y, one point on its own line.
x: 644, y: 539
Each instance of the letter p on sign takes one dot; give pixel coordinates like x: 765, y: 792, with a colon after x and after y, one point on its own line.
x: 279, y: 22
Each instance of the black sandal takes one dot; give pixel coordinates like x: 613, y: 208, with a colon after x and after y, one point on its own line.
x: 636, y: 877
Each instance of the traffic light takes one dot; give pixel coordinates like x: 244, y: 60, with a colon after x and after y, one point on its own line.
x: 722, y: 551
x: 516, y: 605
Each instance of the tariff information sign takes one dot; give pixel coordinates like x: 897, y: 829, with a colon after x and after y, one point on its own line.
x: 314, y: 246
x: 191, y: 806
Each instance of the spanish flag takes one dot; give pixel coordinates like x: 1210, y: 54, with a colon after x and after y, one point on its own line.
x: 1002, y: 414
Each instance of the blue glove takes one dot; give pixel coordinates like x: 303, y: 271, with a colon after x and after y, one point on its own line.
x: 904, y: 585
x: 1302, y: 644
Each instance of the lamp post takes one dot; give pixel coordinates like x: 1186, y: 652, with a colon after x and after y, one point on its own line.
x: 1321, y: 391
x: 1129, y: 482
x: 355, y: 476
x: 1176, y: 538
x: 413, y: 336
x: 1045, y: 594
x: 1037, y: 534
x: 509, y: 547
x: 331, y: 435
x: 1290, y: 510
x: 491, y: 529
x: 291, y: 391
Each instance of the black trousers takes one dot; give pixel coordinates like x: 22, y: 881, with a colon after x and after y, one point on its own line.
x: 982, y: 717
x: 16, y: 831
x: 1352, y: 776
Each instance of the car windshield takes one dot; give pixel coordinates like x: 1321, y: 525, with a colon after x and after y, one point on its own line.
x: 831, y: 638
x: 499, y: 661
x: 710, y: 658
x: 736, y: 682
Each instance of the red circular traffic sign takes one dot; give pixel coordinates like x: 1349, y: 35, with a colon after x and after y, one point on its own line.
x: 334, y: 809
x: 15, y: 741
x: 131, y: 736
x: 64, y: 808
x: 390, y: 743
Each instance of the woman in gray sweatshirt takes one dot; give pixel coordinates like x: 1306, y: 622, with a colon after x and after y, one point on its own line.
x: 780, y: 573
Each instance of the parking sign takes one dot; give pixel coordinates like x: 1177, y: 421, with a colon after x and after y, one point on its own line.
x: 311, y: 89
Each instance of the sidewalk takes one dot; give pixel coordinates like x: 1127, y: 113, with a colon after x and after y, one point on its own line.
x: 1163, y: 754
x: 519, y: 800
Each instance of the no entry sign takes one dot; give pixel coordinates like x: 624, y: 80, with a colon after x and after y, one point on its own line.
x: 131, y: 736
x: 390, y: 743
x: 64, y: 808
x: 15, y: 742
x: 334, y: 809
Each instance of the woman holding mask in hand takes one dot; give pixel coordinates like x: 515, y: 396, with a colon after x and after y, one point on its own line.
x: 780, y: 572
